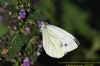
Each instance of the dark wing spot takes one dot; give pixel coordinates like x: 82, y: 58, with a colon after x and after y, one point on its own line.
x: 63, y: 45
x: 66, y: 45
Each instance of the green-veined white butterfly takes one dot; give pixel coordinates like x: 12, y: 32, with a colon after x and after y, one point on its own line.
x: 56, y: 41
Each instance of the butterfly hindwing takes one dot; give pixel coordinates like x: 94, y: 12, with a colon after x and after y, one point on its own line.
x: 52, y: 45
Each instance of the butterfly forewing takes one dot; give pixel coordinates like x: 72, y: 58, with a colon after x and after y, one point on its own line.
x: 68, y: 41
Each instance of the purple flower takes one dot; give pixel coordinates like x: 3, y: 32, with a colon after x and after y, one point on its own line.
x: 27, y: 30
x: 26, y: 61
x: 22, y: 14
x: 40, y: 46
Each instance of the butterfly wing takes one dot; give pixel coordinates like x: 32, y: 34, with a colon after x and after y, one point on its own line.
x: 51, y: 44
x: 68, y: 41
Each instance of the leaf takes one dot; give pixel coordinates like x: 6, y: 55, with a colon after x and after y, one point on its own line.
x: 16, y: 44
x: 3, y: 29
x: 7, y: 2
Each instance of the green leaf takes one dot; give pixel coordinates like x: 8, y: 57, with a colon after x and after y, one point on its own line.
x: 7, y: 2
x: 10, y: 5
x: 17, y: 42
x: 3, y: 29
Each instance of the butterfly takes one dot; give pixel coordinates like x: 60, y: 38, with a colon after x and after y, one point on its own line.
x: 56, y: 41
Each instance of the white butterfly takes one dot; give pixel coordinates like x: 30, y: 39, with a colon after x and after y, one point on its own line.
x: 56, y: 41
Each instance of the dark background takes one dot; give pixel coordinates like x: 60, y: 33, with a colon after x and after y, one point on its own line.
x: 87, y: 50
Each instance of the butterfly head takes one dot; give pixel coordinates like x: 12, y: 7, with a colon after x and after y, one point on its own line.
x: 41, y: 24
